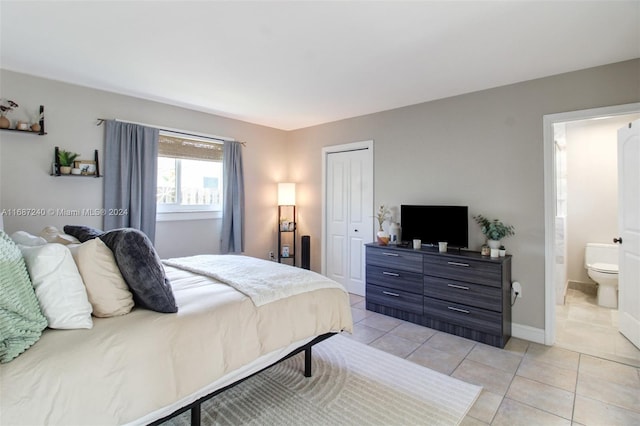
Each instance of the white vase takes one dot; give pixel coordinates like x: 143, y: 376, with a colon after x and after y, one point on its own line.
x: 494, y: 244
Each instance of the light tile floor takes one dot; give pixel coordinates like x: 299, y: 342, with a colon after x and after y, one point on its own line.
x: 523, y: 384
x: 583, y: 326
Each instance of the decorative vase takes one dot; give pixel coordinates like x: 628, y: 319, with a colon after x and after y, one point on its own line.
x: 494, y: 244
x: 65, y: 170
x: 4, y: 122
x: 35, y: 127
x: 383, y: 238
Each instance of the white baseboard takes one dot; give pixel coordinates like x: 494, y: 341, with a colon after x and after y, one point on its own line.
x: 529, y: 333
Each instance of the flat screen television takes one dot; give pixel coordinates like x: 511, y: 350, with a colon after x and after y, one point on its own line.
x: 433, y: 224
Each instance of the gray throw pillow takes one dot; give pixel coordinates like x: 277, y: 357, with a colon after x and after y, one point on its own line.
x: 140, y: 267
x: 82, y: 233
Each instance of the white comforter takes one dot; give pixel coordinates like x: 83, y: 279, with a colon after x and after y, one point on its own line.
x: 263, y: 281
x: 142, y: 366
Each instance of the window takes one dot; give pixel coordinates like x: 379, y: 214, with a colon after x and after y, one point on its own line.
x: 189, y: 174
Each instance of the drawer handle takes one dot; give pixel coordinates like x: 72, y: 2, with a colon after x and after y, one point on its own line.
x: 391, y: 274
x: 390, y: 254
x: 466, y: 265
x: 461, y: 287
x: 464, y: 311
x: 388, y: 293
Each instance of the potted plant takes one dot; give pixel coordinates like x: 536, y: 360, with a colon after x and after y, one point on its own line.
x: 494, y: 230
x: 6, y: 105
x: 382, y: 215
x: 65, y: 161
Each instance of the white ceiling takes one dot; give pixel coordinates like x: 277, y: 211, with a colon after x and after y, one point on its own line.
x: 296, y: 64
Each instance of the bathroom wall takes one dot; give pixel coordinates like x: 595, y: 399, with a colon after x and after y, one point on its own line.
x: 592, y: 187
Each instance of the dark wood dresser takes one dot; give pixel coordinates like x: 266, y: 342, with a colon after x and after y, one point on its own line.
x: 461, y: 293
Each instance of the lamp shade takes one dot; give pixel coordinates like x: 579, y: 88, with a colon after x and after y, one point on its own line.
x: 286, y: 194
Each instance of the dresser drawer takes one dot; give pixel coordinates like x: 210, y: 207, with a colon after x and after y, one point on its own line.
x: 480, y: 296
x: 395, y: 278
x: 464, y: 315
x: 467, y: 270
x: 397, y: 299
x: 397, y: 259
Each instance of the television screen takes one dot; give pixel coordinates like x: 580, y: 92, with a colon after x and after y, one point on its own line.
x: 433, y: 224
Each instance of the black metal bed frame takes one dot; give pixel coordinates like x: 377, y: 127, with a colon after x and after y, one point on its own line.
x: 195, y: 406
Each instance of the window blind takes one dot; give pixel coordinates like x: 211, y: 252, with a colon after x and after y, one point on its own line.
x: 188, y: 148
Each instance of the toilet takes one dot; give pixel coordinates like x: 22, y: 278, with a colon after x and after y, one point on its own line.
x: 601, y: 262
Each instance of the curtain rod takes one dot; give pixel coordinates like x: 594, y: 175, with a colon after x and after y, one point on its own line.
x: 182, y: 132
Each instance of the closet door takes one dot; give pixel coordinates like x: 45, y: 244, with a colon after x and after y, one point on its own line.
x: 349, y: 216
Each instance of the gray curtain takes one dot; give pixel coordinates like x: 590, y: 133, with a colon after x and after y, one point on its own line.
x: 232, y: 239
x: 130, y: 171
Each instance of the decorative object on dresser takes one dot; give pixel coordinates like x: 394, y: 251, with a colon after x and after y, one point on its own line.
x: 460, y: 293
x: 382, y: 215
x: 495, y: 231
x: 287, y: 222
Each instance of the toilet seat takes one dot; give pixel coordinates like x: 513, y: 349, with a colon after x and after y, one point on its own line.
x: 604, y: 268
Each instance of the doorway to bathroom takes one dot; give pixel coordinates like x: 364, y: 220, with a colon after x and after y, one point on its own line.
x: 582, y: 207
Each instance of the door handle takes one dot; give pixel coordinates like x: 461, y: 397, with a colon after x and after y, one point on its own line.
x: 618, y: 240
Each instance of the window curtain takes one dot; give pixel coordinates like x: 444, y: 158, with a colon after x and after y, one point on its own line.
x: 232, y: 239
x: 130, y: 172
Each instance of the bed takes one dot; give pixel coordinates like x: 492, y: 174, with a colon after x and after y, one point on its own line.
x: 146, y: 366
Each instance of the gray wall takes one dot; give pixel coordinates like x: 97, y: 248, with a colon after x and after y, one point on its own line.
x: 483, y: 150
x: 71, y: 112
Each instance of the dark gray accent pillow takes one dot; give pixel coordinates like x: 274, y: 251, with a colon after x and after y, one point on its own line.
x: 82, y: 233
x: 140, y: 267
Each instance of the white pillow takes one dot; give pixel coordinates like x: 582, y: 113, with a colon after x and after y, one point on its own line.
x: 26, y: 239
x: 53, y: 235
x: 58, y: 286
x: 107, y: 291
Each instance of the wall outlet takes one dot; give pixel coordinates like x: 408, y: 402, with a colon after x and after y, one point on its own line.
x: 516, y: 287
x: 271, y: 256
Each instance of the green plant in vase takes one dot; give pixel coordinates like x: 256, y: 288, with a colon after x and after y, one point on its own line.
x: 494, y: 230
x: 65, y: 160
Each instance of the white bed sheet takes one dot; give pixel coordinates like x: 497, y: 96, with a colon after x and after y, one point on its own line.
x: 142, y: 366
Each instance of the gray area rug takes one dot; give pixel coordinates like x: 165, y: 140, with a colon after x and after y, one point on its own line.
x: 352, y: 384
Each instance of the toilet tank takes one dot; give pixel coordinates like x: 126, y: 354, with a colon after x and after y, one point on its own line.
x: 600, y: 253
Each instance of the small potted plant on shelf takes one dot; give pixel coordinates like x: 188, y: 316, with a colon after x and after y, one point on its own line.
x: 6, y: 105
x: 495, y: 231
x: 65, y: 161
x: 382, y: 215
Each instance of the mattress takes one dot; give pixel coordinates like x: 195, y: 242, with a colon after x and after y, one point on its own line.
x: 142, y: 366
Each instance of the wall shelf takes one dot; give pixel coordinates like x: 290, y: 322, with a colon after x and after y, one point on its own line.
x: 40, y: 133
x: 56, y: 166
x: 29, y: 131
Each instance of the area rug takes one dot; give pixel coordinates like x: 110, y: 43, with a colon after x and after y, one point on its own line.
x: 352, y: 384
